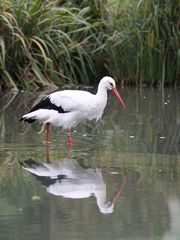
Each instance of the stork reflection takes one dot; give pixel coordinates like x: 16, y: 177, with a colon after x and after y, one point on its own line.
x: 68, y: 179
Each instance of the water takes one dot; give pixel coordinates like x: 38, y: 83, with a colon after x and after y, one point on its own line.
x: 131, y: 157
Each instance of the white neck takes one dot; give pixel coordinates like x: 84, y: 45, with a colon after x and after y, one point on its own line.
x: 101, y: 90
x: 101, y: 100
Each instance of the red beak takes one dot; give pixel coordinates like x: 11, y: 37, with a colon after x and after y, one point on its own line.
x: 118, y: 193
x: 114, y: 90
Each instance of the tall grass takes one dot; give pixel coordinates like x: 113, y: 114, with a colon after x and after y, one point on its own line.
x: 143, y: 44
x: 47, y: 42
x: 42, y: 44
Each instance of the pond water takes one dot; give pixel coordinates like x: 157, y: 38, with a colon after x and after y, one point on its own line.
x: 120, y: 180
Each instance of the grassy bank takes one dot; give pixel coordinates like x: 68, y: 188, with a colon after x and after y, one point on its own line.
x: 44, y: 43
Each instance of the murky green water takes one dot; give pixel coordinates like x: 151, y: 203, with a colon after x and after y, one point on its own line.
x: 121, y: 180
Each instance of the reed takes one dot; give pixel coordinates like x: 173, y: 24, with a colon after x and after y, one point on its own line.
x: 43, y: 43
x: 143, y: 42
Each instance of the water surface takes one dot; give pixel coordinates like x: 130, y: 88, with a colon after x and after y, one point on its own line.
x: 131, y: 156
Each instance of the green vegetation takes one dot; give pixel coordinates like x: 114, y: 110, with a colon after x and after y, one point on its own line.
x: 146, y: 40
x: 44, y: 43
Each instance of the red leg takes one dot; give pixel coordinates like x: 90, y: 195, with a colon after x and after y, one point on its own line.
x: 69, y: 139
x: 47, y: 133
x: 69, y: 136
x: 47, y: 154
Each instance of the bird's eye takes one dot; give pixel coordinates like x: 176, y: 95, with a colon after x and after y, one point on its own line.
x: 111, y: 84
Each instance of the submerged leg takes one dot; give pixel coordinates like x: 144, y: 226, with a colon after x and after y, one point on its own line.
x: 69, y: 136
x: 47, y: 154
x: 47, y: 133
x: 69, y: 139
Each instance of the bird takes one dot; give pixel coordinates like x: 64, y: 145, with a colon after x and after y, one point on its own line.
x: 67, y: 108
x: 66, y: 178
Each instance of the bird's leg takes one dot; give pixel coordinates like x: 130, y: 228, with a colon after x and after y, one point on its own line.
x: 69, y: 136
x: 42, y: 129
x: 69, y: 139
x: 47, y: 133
x: 47, y: 154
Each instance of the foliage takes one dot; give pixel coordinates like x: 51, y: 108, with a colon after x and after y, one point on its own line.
x: 143, y: 41
x: 48, y: 42
x: 41, y: 42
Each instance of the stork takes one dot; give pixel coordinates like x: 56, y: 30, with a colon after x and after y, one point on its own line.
x: 68, y: 108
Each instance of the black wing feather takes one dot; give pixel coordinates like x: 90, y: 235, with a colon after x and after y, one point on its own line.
x: 45, y: 103
x: 47, y: 181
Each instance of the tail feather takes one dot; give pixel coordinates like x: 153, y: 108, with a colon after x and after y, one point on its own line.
x: 42, y: 115
x: 28, y: 120
x: 29, y: 163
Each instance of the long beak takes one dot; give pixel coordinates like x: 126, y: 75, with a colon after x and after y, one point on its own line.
x: 114, y: 90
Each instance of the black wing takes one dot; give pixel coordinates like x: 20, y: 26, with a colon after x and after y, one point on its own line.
x: 45, y: 103
x: 47, y: 181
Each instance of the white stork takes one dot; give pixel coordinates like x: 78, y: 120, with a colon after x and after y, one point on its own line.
x: 68, y: 108
x: 66, y: 178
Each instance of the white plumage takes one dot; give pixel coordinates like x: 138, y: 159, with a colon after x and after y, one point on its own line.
x: 77, y: 105
x: 66, y: 178
x: 68, y: 108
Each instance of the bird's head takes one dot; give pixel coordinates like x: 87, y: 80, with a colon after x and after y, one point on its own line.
x: 106, y: 207
x: 109, y: 84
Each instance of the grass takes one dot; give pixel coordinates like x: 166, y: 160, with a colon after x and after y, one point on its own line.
x: 143, y: 47
x: 43, y: 43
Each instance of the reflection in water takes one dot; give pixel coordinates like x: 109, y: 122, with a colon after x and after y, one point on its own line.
x: 68, y: 179
x: 174, y: 212
x: 141, y: 143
